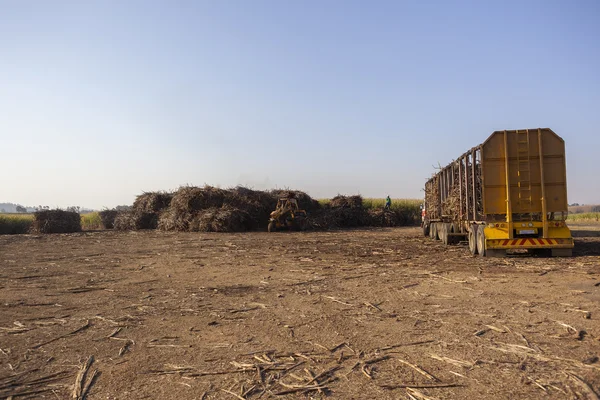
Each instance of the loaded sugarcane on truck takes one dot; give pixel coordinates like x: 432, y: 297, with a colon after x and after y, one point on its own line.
x: 509, y: 193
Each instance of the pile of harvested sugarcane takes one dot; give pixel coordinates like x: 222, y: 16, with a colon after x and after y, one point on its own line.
x: 432, y: 197
x: 144, y: 213
x: 107, y: 217
x: 56, y: 221
x: 211, y: 209
x: 341, y: 212
x: 240, y: 209
x: 384, y: 218
x: 451, y: 205
x: 340, y: 201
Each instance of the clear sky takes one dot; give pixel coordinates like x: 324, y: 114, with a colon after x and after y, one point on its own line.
x: 101, y: 100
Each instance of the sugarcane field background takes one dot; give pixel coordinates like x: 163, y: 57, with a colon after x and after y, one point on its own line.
x: 211, y: 209
x: 185, y: 295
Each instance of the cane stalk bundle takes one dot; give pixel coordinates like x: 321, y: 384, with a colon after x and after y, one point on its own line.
x: 56, y: 221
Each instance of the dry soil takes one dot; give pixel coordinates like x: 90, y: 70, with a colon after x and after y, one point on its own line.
x: 363, y: 314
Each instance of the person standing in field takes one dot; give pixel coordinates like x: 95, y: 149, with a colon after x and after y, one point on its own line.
x: 388, y: 203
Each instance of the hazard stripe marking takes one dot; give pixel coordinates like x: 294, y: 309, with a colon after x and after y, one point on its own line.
x: 524, y: 242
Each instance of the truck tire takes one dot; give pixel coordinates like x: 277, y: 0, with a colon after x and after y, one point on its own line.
x: 436, y: 233
x: 425, y: 230
x: 432, y: 230
x: 455, y: 227
x: 443, y: 233
x: 272, y: 226
x: 473, y: 240
x: 481, y: 241
x: 446, y: 231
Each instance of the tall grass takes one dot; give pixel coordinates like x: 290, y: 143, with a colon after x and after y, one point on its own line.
x: 409, y: 209
x: 397, y: 204
x: 11, y: 224
x: 590, y: 216
x: 91, y: 221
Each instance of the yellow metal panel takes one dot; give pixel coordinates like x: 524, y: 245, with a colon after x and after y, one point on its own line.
x: 560, y: 232
x: 502, y: 232
x: 494, y: 172
x: 494, y: 175
x: 496, y: 233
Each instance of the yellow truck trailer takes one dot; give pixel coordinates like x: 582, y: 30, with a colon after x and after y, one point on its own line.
x: 509, y: 193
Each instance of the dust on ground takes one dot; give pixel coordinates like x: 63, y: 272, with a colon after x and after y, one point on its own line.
x: 364, y: 314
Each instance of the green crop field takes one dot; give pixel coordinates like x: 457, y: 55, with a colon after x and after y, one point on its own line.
x: 409, y: 209
x: 590, y: 216
x: 11, y: 224
x: 91, y: 221
x: 21, y: 223
x: 397, y: 204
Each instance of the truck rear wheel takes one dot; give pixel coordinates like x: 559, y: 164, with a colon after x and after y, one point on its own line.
x: 446, y: 231
x: 473, y: 240
x: 425, y: 230
x: 272, y: 226
x: 481, y: 241
x: 443, y: 233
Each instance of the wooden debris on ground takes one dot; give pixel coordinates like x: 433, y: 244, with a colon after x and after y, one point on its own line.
x: 82, y: 383
x: 26, y: 384
x: 457, y: 363
x: 269, y: 372
x: 81, y: 328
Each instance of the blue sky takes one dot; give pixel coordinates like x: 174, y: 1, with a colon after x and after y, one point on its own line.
x: 101, y: 100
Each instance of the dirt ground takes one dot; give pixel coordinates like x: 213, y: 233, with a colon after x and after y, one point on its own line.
x: 365, y: 314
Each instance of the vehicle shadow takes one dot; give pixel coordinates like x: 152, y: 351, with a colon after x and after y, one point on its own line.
x: 585, y: 233
x: 587, y: 246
